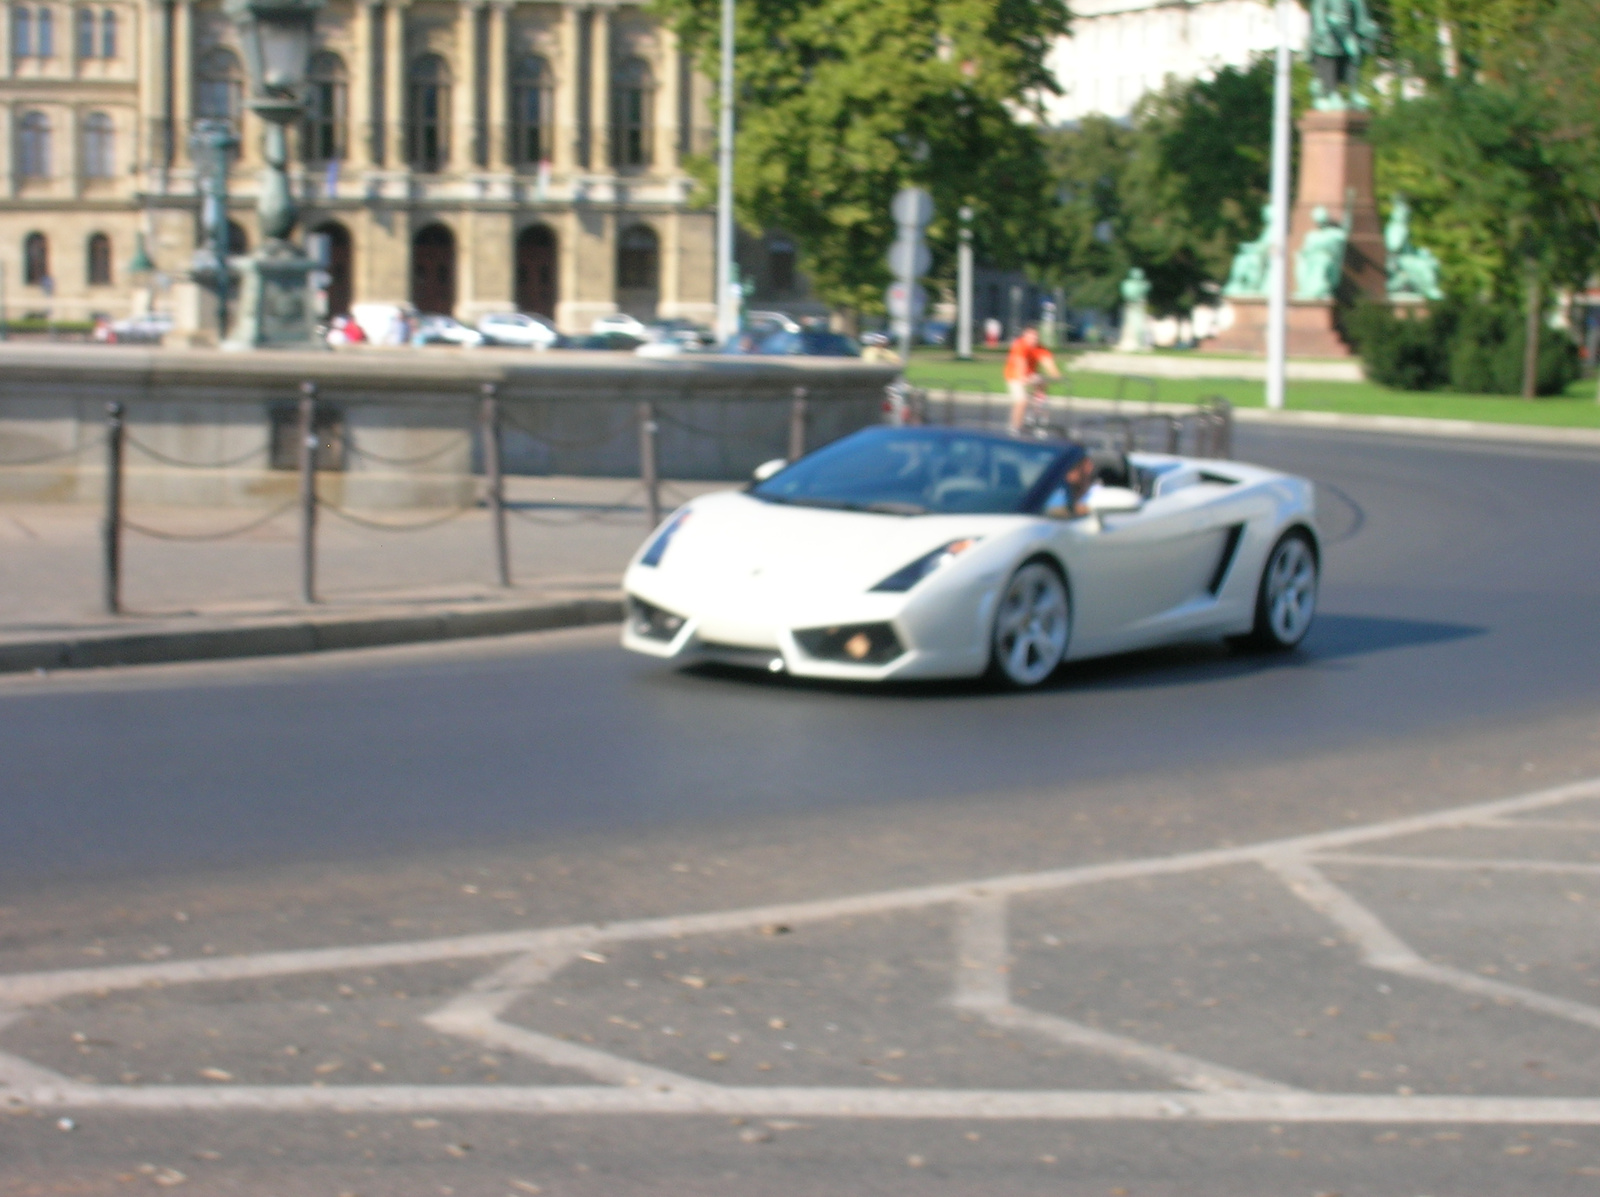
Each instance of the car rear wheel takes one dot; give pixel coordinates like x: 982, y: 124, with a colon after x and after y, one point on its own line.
x: 1031, y: 626
x: 1287, y: 598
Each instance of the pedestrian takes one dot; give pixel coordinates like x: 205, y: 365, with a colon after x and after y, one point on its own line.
x: 1023, y: 363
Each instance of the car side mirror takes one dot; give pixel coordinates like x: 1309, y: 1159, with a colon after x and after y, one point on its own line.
x: 768, y: 468
x: 1112, y: 500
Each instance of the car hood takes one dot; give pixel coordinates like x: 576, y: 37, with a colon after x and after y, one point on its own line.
x: 734, y: 540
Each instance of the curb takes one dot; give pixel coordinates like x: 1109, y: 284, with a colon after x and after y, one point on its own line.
x: 1472, y: 430
x: 287, y: 637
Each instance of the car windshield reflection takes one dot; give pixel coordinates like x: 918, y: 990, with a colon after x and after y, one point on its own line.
x: 917, y: 471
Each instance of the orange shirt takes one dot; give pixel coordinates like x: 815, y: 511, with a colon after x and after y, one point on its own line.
x: 1023, y: 360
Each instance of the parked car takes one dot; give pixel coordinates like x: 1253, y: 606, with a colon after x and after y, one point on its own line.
x: 521, y: 329
x: 620, y: 322
x: 807, y: 342
x: 672, y: 343
x: 615, y: 341
x: 435, y: 329
x: 385, y: 323
x: 140, y: 330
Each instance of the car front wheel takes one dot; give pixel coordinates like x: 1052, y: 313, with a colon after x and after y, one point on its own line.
x: 1031, y: 626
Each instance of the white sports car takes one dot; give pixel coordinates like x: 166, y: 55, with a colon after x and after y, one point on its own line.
x: 927, y: 552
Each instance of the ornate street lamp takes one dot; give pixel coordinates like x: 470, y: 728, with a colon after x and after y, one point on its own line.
x: 212, y: 146
x: 276, y: 305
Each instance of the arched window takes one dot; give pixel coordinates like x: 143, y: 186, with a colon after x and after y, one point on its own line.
x: 108, y: 33
x: 86, y: 38
x: 219, y: 85
x: 638, y: 258
x: 33, y: 146
x: 532, y: 112
x: 22, y: 31
x: 430, y: 113
x: 45, y: 28
x: 35, y: 259
x: 322, y: 138
x: 99, y: 145
x: 238, y: 241
x: 99, y: 260
x: 631, y: 106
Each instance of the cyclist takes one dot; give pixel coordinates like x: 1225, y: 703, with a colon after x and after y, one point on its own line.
x: 1023, y: 364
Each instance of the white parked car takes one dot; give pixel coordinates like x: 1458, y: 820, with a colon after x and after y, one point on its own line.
x: 620, y: 322
x: 929, y: 552
x: 385, y: 323
x: 434, y: 329
x: 519, y: 329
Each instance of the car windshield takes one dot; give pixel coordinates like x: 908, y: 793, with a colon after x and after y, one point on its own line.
x: 915, y: 471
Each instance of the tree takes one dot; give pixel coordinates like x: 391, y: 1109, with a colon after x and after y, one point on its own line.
x: 1498, y: 153
x: 1175, y: 193
x: 843, y: 102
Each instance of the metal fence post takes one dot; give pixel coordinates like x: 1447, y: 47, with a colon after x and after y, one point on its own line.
x: 111, y: 533
x: 495, y: 481
x: 797, y: 425
x: 647, y: 463
x: 308, y: 492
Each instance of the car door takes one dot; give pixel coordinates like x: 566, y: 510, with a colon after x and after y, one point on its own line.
x: 1137, y: 577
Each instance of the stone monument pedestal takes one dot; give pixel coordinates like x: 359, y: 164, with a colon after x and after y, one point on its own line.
x: 277, y: 304
x: 1335, y: 174
x: 1311, y: 331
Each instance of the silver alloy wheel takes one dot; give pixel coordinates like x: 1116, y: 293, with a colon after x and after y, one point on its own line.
x: 1289, y: 591
x: 1032, y: 624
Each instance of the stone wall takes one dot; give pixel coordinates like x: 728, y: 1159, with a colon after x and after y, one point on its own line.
x: 403, y: 423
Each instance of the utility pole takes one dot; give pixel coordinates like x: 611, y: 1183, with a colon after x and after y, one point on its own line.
x: 964, y: 287
x: 727, y: 309
x: 1278, y: 246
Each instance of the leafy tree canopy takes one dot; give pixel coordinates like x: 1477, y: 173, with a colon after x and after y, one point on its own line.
x: 843, y: 102
x: 1175, y: 192
x: 1499, y: 148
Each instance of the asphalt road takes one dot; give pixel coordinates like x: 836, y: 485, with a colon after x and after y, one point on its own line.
x: 1461, y: 586
x: 205, y: 811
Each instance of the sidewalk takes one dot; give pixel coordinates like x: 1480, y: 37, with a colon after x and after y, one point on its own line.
x: 569, y: 537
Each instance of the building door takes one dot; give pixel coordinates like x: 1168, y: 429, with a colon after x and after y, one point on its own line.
x: 536, y: 271
x: 433, y: 270
x: 340, y: 268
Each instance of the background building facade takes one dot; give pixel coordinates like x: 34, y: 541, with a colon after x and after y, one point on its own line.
x: 464, y: 155
x: 1121, y: 49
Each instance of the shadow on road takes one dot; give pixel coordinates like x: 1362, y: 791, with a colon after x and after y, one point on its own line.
x: 1333, y: 638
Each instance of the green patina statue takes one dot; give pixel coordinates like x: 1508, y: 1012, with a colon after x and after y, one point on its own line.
x: 1413, y: 271
x: 1319, y: 265
x: 1342, y: 34
x: 1247, y: 279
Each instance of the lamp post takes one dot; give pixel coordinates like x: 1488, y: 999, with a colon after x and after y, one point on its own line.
x: 728, y: 306
x: 276, y: 304
x: 212, y: 145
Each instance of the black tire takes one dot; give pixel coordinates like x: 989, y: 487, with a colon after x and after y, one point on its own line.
x: 1286, y: 598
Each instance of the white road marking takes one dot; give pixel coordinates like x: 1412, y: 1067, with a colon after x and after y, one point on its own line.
x: 1545, y: 824
x: 1457, y: 863
x: 982, y: 985
x: 1383, y: 949
x: 828, y: 1102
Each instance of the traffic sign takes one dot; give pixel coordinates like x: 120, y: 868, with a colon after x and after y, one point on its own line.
x: 913, y: 208
x: 895, y: 298
x: 922, y: 258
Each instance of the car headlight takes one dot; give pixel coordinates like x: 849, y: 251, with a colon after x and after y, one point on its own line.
x: 905, y: 578
x: 658, y: 547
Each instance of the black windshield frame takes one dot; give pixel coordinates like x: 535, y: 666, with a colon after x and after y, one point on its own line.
x: 1031, y: 502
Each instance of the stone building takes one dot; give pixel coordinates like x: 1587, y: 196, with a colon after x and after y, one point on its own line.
x: 1121, y: 49
x: 465, y: 155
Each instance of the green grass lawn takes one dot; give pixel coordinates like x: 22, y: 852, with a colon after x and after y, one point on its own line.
x: 937, y: 370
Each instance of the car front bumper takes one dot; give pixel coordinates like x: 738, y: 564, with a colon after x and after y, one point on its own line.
x: 767, y: 632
